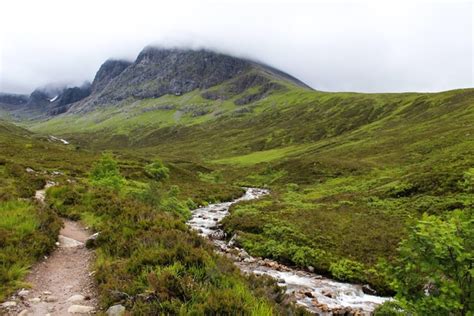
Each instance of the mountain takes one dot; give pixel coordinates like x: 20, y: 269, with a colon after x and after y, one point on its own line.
x: 156, y: 72
x: 42, y: 102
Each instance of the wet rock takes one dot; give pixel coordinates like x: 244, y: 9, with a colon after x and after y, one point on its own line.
x: 116, y: 310
x: 328, y: 293
x: 76, y: 298
x: 249, y: 260
x: 80, y: 309
x: 367, y: 289
x: 308, y: 294
x: 219, y: 234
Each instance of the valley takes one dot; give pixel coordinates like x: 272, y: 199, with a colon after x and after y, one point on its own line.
x: 150, y: 142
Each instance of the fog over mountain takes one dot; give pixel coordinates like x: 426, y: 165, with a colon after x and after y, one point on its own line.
x: 352, y: 46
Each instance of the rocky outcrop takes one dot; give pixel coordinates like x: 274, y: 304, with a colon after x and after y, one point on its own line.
x: 157, y: 72
x: 108, y: 71
x: 14, y: 100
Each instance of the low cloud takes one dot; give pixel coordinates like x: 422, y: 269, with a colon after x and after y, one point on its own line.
x: 354, y: 46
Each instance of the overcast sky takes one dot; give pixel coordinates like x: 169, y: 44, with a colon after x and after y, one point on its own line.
x: 367, y: 46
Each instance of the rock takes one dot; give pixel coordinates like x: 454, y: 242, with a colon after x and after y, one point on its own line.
x: 328, y: 293
x: 47, y: 293
x: 80, y: 309
x: 51, y: 299
x: 91, y: 242
x: 368, y: 290
x: 8, y: 304
x: 23, y: 293
x: 23, y: 313
x: 66, y: 242
x: 34, y: 300
x: 76, y: 298
x: 311, y: 269
x: 29, y: 170
x: 116, y: 310
x: 308, y: 294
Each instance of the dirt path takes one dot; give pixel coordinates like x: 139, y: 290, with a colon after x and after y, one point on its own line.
x: 63, y: 283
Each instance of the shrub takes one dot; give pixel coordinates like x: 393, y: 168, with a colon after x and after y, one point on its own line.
x: 347, y: 270
x: 106, y: 173
x: 433, y: 273
x: 157, y: 171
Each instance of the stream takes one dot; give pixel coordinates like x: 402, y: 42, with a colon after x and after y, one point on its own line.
x: 316, y: 293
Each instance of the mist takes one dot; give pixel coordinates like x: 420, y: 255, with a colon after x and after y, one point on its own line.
x: 364, y: 46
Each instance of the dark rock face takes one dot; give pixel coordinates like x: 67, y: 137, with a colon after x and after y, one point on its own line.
x: 13, y: 99
x: 157, y: 72
x: 108, y: 71
x: 71, y: 95
x: 38, y: 99
x: 67, y: 97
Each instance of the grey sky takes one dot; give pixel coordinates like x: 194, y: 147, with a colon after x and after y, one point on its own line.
x: 368, y: 46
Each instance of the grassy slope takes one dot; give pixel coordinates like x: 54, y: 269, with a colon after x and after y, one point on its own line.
x: 363, y: 165
x: 156, y: 260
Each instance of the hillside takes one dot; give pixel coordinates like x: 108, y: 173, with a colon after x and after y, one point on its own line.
x: 350, y: 174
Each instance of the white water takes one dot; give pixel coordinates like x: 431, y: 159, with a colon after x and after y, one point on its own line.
x: 65, y: 142
x: 316, y: 293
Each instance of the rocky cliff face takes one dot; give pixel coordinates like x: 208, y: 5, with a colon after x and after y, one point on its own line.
x: 13, y: 99
x: 108, y: 71
x: 157, y: 72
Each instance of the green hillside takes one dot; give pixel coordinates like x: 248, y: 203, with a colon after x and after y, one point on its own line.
x: 349, y: 172
x: 352, y: 177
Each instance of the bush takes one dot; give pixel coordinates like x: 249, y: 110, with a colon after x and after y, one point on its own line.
x: 157, y: 171
x: 433, y: 272
x: 106, y: 173
x: 389, y: 308
x: 347, y: 270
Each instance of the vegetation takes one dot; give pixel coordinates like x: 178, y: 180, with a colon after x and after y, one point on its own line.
x: 433, y: 273
x: 149, y: 260
x: 351, y: 176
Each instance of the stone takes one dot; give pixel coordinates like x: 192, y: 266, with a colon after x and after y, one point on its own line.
x: 23, y: 293
x: 80, y: 309
x: 29, y: 170
x: 308, y: 294
x: 23, y: 313
x: 50, y: 299
x: 34, y: 300
x: 8, y: 304
x: 47, y: 293
x: 76, y: 298
x: 66, y: 242
x: 328, y: 293
x: 116, y: 310
x: 91, y: 242
x: 311, y: 269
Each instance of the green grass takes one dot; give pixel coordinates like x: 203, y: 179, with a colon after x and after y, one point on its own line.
x: 261, y: 156
x: 349, y: 172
